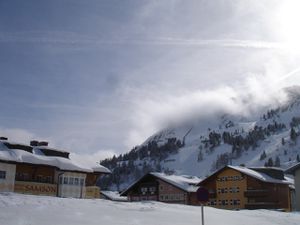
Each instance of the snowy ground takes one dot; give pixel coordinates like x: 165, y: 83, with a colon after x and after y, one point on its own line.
x: 39, y: 210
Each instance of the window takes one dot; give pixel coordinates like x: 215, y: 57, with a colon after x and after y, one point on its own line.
x: 65, y: 180
x: 76, y: 181
x: 236, y: 202
x: 48, y: 179
x: 39, y: 178
x: 71, y: 180
x: 213, y: 202
x: 144, y: 190
x: 152, y: 189
x: 2, y: 174
x: 81, y: 181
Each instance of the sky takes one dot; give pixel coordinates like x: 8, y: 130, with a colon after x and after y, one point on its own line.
x: 98, y: 77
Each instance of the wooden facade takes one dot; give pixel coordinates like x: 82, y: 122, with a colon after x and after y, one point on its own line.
x: 35, y: 173
x: 153, y: 188
x: 232, y: 188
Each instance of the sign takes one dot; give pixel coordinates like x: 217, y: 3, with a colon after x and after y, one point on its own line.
x: 202, y: 194
x: 35, y: 188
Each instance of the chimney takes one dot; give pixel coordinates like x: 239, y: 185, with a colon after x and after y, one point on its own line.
x: 34, y: 143
x: 43, y: 143
x: 3, y: 138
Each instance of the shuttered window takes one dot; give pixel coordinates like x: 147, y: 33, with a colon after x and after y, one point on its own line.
x: 2, y: 174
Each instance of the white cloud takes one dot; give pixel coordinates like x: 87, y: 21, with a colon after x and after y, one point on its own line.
x: 18, y: 135
x: 245, y: 98
x: 91, y: 159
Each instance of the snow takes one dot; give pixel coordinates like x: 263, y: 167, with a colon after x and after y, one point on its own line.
x: 186, y: 160
x: 261, y: 176
x: 184, y: 182
x: 114, y: 195
x: 21, y: 156
x: 292, y: 169
x: 52, y: 149
x: 16, y: 209
x: 187, y: 183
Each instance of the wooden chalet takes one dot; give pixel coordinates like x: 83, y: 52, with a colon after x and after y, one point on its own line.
x: 164, y: 188
x: 236, y: 187
x: 38, y: 169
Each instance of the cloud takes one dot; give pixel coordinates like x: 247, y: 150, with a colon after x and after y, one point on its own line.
x: 91, y: 159
x: 19, y: 135
x: 246, y: 98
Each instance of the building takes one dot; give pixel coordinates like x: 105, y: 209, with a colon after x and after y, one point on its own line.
x: 236, y: 187
x: 38, y: 169
x: 295, y: 170
x: 164, y: 188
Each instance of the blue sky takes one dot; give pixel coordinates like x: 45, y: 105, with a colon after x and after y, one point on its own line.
x: 98, y: 77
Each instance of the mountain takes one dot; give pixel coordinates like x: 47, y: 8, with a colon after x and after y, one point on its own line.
x: 200, y: 147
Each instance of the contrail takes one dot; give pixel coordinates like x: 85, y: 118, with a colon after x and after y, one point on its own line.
x: 292, y: 73
x: 71, y: 38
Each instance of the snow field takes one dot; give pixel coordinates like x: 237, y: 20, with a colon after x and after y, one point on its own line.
x: 16, y: 209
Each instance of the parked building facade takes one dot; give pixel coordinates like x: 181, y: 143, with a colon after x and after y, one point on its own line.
x: 40, y: 170
x: 164, y: 188
x: 236, y: 187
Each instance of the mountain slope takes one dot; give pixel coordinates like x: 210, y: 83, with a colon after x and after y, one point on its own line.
x: 201, y: 147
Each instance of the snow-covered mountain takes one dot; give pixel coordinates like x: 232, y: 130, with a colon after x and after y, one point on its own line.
x: 202, y: 146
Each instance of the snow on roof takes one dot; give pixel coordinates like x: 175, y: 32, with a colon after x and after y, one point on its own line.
x: 292, y: 169
x: 114, y: 196
x: 184, y: 182
x: 100, y: 169
x: 21, y: 156
x: 260, y: 175
x: 51, y: 149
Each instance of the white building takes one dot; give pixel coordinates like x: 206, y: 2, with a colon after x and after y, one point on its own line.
x: 38, y: 169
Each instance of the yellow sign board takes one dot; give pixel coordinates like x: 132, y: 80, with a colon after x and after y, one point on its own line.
x: 35, y: 188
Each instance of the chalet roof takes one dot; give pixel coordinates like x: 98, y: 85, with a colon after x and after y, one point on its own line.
x: 35, y: 157
x: 183, y: 182
x: 255, y: 174
x: 50, y: 149
x: 114, y: 196
x: 293, y: 169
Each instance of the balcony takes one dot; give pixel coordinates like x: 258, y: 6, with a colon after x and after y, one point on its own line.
x: 256, y: 193
x: 262, y: 205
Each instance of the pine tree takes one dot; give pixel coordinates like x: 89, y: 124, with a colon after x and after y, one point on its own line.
x: 263, y: 155
x: 277, y: 162
x: 269, y: 163
x: 200, y: 156
x: 282, y: 141
x: 293, y: 134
